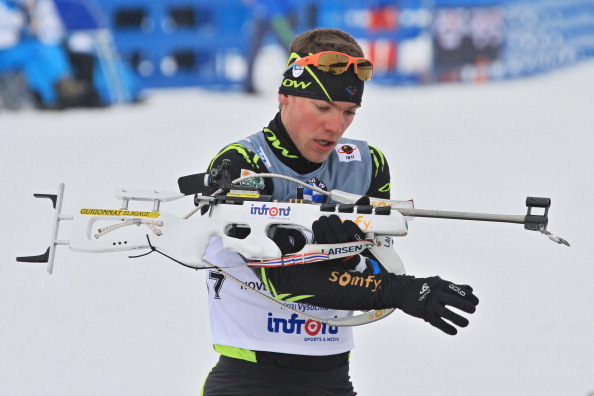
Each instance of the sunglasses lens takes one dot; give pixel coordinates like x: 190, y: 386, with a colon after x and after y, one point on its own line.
x: 333, y: 63
x: 364, y: 69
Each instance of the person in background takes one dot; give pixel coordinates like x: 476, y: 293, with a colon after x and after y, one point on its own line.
x: 267, y: 16
x: 32, y: 40
x: 264, y: 348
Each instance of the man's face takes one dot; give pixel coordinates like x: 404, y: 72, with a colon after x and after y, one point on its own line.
x: 315, y: 126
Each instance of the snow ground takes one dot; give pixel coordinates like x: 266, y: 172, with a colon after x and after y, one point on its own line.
x: 103, y: 324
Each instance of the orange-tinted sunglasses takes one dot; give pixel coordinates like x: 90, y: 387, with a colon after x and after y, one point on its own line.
x: 336, y: 63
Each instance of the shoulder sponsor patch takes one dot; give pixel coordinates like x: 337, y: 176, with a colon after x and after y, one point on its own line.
x: 257, y: 182
x: 348, y: 152
x: 264, y: 159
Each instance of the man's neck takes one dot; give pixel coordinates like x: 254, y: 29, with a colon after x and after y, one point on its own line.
x: 285, y: 150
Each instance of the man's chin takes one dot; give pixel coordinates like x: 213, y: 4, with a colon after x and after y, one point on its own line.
x: 317, y: 158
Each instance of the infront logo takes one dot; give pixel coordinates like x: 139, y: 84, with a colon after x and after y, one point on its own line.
x: 287, y: 82
x: 270, y: 211
x: 294, y: 325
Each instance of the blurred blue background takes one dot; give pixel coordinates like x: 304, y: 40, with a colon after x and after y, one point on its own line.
x: 107, y: 52
x: 204, y: 43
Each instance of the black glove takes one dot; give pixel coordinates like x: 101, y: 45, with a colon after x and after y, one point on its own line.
x: 428, y: 298
x: 330, y: 229
x: 289, y: 240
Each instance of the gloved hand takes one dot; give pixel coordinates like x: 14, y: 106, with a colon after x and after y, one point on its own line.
x: 330, y: 229
x: 290, y: 240
x: 428, y: 299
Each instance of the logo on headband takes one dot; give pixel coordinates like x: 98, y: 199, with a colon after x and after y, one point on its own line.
x: 298, y: 70
x: 351, y: 90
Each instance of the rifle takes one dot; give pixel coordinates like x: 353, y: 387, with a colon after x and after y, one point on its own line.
x: 224, y: 204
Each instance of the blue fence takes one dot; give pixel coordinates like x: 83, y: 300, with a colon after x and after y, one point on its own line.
x: 179, y: 43
x: 203, y: 43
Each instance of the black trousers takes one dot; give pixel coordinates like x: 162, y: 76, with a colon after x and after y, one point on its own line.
x: 235, y: 377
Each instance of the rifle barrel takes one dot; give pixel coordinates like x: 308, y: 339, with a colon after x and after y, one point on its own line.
x: 442, y: 214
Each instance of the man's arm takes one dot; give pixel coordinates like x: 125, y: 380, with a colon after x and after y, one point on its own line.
x: 380, y: 175
x: 354, y: 285
x: 334, y: 284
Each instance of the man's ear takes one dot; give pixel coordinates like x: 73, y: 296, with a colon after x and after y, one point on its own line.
x: 283, y: 99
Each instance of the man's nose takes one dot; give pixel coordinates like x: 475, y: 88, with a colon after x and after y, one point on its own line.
x: 334, y: 122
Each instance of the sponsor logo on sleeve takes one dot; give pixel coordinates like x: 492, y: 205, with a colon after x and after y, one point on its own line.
x: 264, y: 158
x: 257, y: 182
x: 348, y: 279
